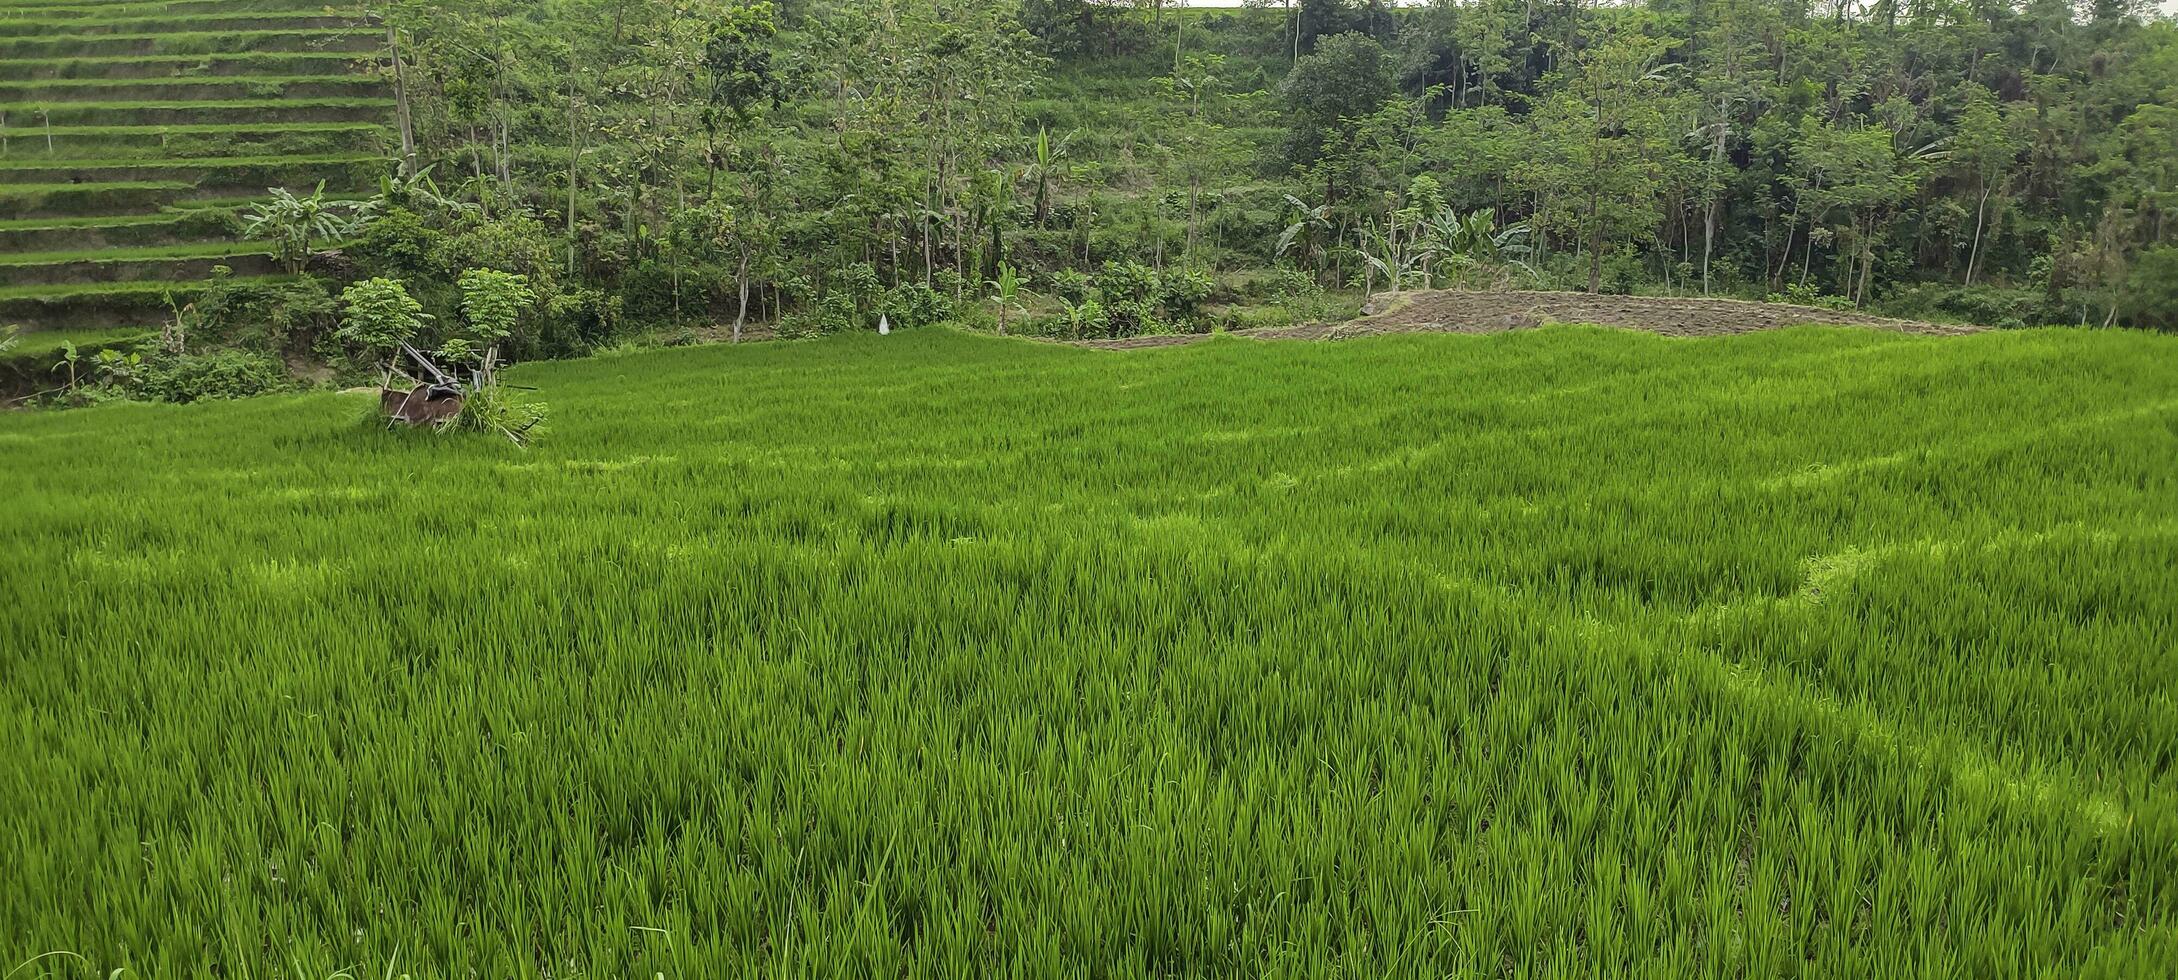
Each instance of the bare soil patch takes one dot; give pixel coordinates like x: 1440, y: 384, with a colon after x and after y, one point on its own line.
x: 1448, y: 311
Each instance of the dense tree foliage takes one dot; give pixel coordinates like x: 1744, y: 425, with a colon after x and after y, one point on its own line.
x: 814, y: 164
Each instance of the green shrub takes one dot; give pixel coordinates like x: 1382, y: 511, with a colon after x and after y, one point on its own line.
x: 264, y: 315
x: 2151, y: 295
x: 208, y: 377
x: 378, y: 316
x: 916, y: 305
x: 493, y: 304
x: 1993, y: 306
x: 1181, y: 292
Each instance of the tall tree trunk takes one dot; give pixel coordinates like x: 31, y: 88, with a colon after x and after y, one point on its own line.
x: 574, y: 159
x: 1973, y: 257
x: 402, y: 113
x: 741, y: 315
x: 1716, y: 194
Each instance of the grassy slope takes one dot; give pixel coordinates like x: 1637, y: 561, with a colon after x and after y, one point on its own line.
x: 190, y: 250
x: 1569, y: 652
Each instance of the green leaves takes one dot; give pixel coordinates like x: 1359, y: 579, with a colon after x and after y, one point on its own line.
x: 493, y: 304
x: 378, y: 316
x: 294, y: 223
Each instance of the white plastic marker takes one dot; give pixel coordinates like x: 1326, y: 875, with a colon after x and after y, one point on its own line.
x: 884, y: 325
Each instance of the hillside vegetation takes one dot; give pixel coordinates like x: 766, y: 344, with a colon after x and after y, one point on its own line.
x: 1558, y: 653
x: 695, y: 169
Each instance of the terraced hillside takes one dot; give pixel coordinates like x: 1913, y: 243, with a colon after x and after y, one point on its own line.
x: 132, y: 132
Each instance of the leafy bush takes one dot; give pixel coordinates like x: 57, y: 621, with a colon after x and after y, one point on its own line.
x: 578, y: 320
x: 832, y: 313
x: 214, y: 376
x: 916, y: 305
x: 378, y: 316
x: 2152, y: 292
x: 1071, y: 285
x: 493, y: 302
x: 1181, y: 293
x: 1801, y: 294
x: 1987, y: 305
x: 399, y: 245
x: 269, y: 316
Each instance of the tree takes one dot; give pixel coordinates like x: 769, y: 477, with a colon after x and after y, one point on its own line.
x: 1983, y: 151
x: 493, y: 304
x: 1348, y: 77
x: 2152, y: 294
x: 1318, y: 19
x: 1597, y: 161
x: 1858, y: 172
x: 1730, y: 73
x: 737, y: 66
x: 377, y: 317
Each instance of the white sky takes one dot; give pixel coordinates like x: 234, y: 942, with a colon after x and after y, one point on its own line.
x: 2169, y: 6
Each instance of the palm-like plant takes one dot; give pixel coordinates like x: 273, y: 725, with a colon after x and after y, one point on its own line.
x: 421, y: 190
x: 1006, y: 292
x: 1306, y: 234
x: 1051, y: 157
x: 292, y: 223
x: 1392, y: 259
x: 1473, y: 240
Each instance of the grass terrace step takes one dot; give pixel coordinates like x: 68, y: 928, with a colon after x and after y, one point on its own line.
x: 115, y: 231
x: 62, y: 200
x: 346, y: 170
x: 274, y: 63
x: 215, y: 201
x: 71, y: 90
x: 170, y: 24
x: 121, y: 143
x: 94, y: 306
x: 32, y: 201
x: 169, y: 263
x: 103, y: 306
x: 232, y: 245
x: 53, y: 342
x: 35, y: 363
x: 194, y: 42
x: 69, y: 9
x: 28, y: 119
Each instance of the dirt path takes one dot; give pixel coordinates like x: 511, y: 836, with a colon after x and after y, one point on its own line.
x: 1498, y: 312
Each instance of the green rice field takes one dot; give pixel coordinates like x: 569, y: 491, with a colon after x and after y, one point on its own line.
x: 1563, y: 653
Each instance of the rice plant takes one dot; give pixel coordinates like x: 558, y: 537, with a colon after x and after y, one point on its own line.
x: 1562, y: 653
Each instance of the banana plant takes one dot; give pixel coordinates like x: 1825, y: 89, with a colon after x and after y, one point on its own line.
x: 69, y: 359
x: 420, y: 189
x: 1006, y: 292
x: 1392, y: 259
x: 293, y: 223
x: 1051, y: 163
x: 1306, y: 235
x: 1082, y: 318
x: 1473, y: 240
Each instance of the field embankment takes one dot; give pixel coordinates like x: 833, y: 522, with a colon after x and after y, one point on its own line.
x: 1498, y: 311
